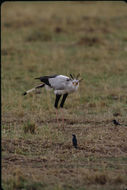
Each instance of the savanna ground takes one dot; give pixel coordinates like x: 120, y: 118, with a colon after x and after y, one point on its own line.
x: 40, y: 38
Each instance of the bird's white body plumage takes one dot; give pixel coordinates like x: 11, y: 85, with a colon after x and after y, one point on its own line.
x: 63, y: 84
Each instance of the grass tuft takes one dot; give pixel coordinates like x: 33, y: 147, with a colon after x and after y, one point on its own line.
x: 39, y: 36
x: 29, y: 127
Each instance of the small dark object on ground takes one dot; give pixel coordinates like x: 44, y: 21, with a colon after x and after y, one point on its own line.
x: 74, y: 141
x: 115, y: 122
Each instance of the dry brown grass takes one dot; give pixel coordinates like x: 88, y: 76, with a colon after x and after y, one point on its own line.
x: 58, y: 37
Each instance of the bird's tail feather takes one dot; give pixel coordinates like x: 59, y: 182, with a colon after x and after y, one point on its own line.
x: 32, y: 89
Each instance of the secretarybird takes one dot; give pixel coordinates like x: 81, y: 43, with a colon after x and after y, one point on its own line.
x: 62, y: 85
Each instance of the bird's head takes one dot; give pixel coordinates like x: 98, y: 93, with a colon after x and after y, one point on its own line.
x: 75, y: 80
x: 73, y: 135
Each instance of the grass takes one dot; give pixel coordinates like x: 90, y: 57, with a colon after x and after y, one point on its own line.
x: 65, y: 37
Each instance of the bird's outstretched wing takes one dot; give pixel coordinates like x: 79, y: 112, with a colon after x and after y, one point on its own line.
x: 57, y: 82
x: 45, y: 79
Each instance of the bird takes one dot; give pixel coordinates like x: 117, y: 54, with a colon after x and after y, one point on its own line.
x: 61, y: 84
x: 74, y: 141
x: 115, y: 122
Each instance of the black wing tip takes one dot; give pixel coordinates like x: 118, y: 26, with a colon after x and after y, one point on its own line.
x: 24, y: 93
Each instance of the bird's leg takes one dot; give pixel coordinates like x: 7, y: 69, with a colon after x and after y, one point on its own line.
x: 57, y: 100
x: 56, y: 106
x: 61, y: 105
x: 62, y: 113
x: 57, y: 117
x: 63, y: 100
